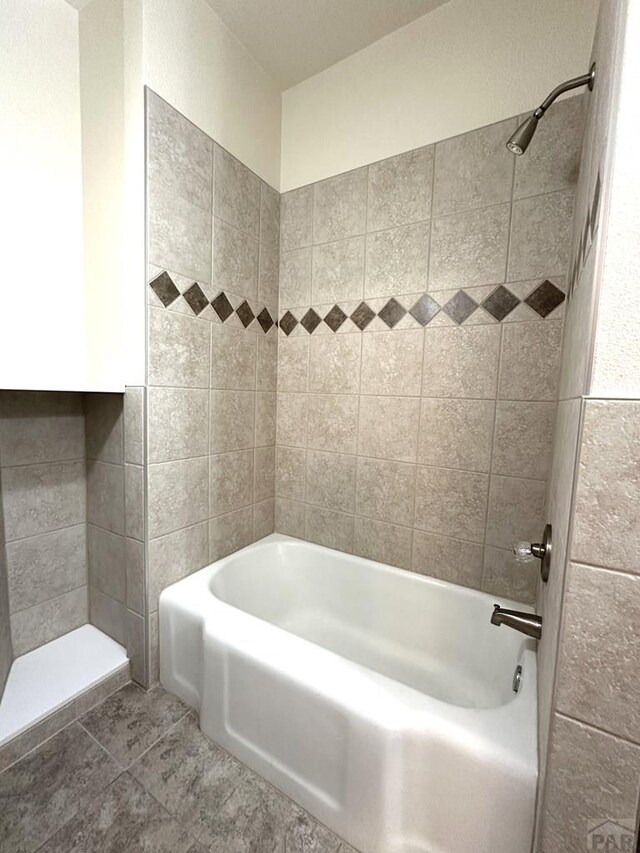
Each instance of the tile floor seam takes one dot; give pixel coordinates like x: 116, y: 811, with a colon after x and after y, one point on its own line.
x: 157, y: 741
x: 102, y: 746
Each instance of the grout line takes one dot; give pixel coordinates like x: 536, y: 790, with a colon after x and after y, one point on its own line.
x: 101, y: 745
x: 187, y: 713
x: 588, y: 725
x: 69, y: 461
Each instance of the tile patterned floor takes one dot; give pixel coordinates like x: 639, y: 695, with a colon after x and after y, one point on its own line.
x: 137, y: 774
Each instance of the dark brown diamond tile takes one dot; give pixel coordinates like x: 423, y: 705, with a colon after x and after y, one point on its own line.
x: 500, y: 302
x: 335, y: 318
x: 425, y: 309
x: 362, y: 316
x: 310, y: 321
x: 164, y: 289
x: 265, y: 320
x: 288, y: 322
x: 460, y: 307
x: 195, y: 298
x: 545, y: 298
x: 392, y: 313
x: 245, y: 313
x: 222, y: 306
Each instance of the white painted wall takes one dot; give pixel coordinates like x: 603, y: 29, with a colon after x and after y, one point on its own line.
x: 466, y: 64
x: 192, y: 60
x: 41, y: 312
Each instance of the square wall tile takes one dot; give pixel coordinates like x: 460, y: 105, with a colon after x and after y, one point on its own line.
x: 231, y: 481
x: 392, y: 362
x: 134, y: 425
x: 237, y: 193
x: 470, y: 248
x: 178, y: 350
x: 330, y: 480
x: 397, y: 261
x: 175, y: 556
x: 530, y: 360
x: 451, y: 503
x: 267, y: 366
x: 135, y: 569
x: 340, y: 206
x: 296, y: 219
x: 134, y: 501
x: 333, y: 422
x: 384, y: 543
x: 338, y: 271
x: 235, y: 260
x: 263, y: 519
x: 230, y: 532
x: 461, y: 362
x: 502, y: 575
x: 104, y: 429
x: 523, y: 439
x: 105, y: 496
x: 334, y: 363
x: 107, y: 562
x: 385, y: 490
x: 295, y: 278
x: 178, y: 423
x: 400, y: 189
x: 179, y: 233
x: 293, y: 364
x: 48, y: 620
x: 265, y: 418
x: 269, y: 215
x: 329, y: 528
x: 448, y: 559
x: 178, y: 494
x: 473, y: 169
x: 540, y: 236
x: 456, y: 433
x: 108, y: 615
x: 291, y: 419
x: 516, y: 511
x: 38, y: 426
x: 388, y: 427
x: 264, y: 464
x: 233, y: 358
x: 289, y: 518
x: 290, y: 473
x: 232, y: 420
x: 268, y: 273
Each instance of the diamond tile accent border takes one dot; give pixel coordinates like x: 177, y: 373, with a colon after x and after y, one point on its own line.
x: 460, y: 307
x: 500, y: 303
x: 195, y: 299
x: 164, y: 288
x: 392, y: 313
x: 335, y: 318
x: 545, y: 298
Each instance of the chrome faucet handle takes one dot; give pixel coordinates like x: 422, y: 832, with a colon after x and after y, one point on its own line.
x: 523, y: 552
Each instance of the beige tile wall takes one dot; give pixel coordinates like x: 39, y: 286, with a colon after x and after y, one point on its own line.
x: 6, y: 647
x: 427, y: 448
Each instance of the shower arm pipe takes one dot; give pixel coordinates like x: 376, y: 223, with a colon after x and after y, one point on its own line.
x: 567, y: 86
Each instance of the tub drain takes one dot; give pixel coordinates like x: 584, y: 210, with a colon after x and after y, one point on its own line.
x: 517, y: 679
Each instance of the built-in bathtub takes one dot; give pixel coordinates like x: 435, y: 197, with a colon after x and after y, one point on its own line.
x: 378, y: 699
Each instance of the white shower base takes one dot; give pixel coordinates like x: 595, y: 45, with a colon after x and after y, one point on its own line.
x: 46, y: 679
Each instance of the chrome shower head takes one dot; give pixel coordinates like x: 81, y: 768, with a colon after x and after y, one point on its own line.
x: 520, y: 140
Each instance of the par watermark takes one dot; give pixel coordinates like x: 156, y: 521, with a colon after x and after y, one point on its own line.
x: 612, y: 836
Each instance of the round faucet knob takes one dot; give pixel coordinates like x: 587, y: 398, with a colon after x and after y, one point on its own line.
x: 524, y: 552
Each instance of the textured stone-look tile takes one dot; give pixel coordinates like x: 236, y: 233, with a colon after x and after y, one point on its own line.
x: 135, y: 644
x: 237, y: 193
x: 503, y: 575
x: 516, y: 511
x: 134, y: 425
x: 37, y: 426
x: 523, y: 439
x: 591, y: 777
x: 135, y: 572
x: 179, y: 155
x: 264, y: 518
x: 104, y: 427
x: 600, y: 649
x: 530, y: 360
x: 400, y: 189
x: 303, y: 834
x: 268, y: 272
x: 267, y: 366
x: 456, y: 433
x: 338, y: 271
x: 235, y: 260
x: 265, y: 433
x: 293, y: 364
x: 330, y: 480
x: 461, y: 362
x: 296, y: 218
x: 448, y: 559
x: 108, y: 615
x: 385, y: 490
x: 329, y: 528
x: 290, y: 473
x: 382, y: 542
x: 397, y: 261
x: 134, y: 506
x: 233, y: 358
x: 295, y: 278
x: 178, y: 349
x: 269, y: 215
x: 291, y: 419
x: 40, y: 498
x: 191, y: 777
x: 606, y: 529
x: 43, y: 622
x: 231, y: 481
x: 553, y: 162
x: 232, y: 420
x: 540, y: 236
x: 230, y: 532
x: 174, y: 556
x: 334, y: 364
x: 473, y: 169
x: 388, y: 427
x: 451, y: 503
x: 392, y: 362
x: 333, y: 422
x: 106, y: 559
x: 470, y: 248
x: 125, y: 817
x: 339, y: 206
x: 130, y: 721
x: 289, y: 517
x: 178, y: 494
x: 52, y: 784
x: 43, y: 567
x: 179, y: 234
x: 178, y: 423
x: 105, y: 496
x: 264, y: 473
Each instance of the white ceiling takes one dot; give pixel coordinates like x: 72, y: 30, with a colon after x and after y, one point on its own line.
x: 294, y: 39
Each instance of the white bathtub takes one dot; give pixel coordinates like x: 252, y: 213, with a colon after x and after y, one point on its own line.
x: 379, y: 700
